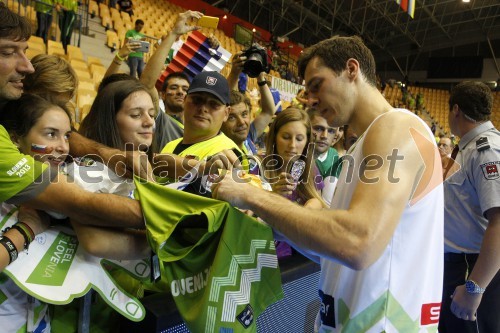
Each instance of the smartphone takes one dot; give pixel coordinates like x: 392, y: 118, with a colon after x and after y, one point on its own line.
x: 144, y: 47
x: 208, y: 22
x: 297, y: 169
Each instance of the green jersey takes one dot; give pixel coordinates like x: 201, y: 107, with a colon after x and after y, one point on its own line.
x: 220, y: 263
x: 44, y: 6
x: 21, y: 177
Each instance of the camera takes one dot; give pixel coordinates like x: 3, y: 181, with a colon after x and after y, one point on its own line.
x: 256, y: 61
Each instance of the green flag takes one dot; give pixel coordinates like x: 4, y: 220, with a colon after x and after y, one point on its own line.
x: 221, y: 264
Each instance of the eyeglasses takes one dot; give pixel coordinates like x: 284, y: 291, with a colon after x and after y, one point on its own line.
x: 321, y: 129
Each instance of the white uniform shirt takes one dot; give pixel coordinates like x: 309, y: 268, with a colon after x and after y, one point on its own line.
x: 401, y: 291
x: 471, y: 191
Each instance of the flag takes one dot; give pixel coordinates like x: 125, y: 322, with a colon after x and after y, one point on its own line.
x: 221, y: 264
x: 408, y: 6
x: 196, y: 56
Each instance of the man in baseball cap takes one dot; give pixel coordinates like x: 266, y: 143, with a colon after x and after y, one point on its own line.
x: 205, y: 109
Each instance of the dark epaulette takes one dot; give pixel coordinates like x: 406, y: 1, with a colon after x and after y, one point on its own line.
x: 482, y: 144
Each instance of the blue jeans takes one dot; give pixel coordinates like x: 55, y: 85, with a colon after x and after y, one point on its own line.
x: 136, y: 66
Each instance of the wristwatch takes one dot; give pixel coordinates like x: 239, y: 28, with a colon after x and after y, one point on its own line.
x: 473, y: 288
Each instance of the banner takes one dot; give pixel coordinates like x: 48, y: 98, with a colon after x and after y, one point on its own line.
x: 56, y: 270
x: 288, y: 90
x: 196, y: 56
x: 220, y: 263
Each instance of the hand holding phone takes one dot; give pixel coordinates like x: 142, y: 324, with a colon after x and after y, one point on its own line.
x: 144, y: 47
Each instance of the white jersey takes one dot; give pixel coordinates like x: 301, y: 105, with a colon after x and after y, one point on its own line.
x: 401, y: 291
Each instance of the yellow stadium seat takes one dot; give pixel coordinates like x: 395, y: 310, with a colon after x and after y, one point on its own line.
x: 31, y: 53
x: 97, y: 69
x: 78, y: 64
x: 112, y: 40
x: 97, y: 78
x: 94, y: 60
x: 36, y: 46
x: 106, y: 22
x: 84, y: 110
x: 93, y: 8
x: 82, y: 74
x: 85, y: 97
x: 85, y: 85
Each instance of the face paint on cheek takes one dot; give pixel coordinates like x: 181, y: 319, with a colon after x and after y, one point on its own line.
x: 41, y: 149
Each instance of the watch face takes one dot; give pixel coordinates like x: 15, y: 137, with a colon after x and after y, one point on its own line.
x: 470, y: 287
x: 473, y: 288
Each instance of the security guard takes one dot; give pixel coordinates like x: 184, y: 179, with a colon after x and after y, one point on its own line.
x: 471, y: 291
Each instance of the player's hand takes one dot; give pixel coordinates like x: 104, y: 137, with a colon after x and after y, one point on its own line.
x: 464, y: 305
x: 232, y: 189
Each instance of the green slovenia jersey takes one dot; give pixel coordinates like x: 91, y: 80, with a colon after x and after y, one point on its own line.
x: 220, y: 263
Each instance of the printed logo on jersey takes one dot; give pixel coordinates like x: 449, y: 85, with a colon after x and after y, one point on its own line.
x: 429, y: 314
x: 246, y: 316
x: 490, y: 170
x: 327, y: 309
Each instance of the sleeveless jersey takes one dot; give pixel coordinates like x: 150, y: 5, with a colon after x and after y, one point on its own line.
x: 401, y: 291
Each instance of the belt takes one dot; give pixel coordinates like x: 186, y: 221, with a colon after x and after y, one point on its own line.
x: 460, y: 257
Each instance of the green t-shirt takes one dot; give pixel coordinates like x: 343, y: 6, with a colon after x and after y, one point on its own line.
x: 132, y: 34
x: 330, y: 166
x: 71, y: 5
x: 21, y: 177
x: 44, y: 6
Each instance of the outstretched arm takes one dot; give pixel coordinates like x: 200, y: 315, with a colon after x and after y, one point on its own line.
x: 157, y: 60
x: 112, y: 243
x: 127, y: 48
x: 236, y: 68
x: 267, y: 105
x: 358, y: 235
x: 100, y: 209
x: 124, y: 163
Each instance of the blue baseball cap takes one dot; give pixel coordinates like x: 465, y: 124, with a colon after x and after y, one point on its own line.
x: 213, y: 83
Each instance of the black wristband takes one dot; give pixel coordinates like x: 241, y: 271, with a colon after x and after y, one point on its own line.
x: 9, y: 246
x: 25, y: 235
x: 262, y: 83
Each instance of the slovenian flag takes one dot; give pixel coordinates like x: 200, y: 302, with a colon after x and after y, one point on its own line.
x: 408, y: 6
x: 196, y: 56
x: 42, y: 149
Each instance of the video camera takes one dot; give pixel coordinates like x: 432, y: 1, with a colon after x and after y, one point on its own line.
x: 256, y: 61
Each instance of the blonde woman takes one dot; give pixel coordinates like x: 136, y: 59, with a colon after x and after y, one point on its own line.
x: 288, y: 141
